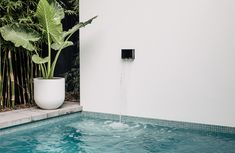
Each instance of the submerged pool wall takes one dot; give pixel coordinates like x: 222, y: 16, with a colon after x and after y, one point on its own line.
x: 184, y: 67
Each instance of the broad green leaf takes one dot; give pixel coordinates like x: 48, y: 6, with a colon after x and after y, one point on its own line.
x: 39, y: 60
x: 50, y: 16
x: 20, y: 36
x: 58, y: 9
x: 57, y: 46
x: 77, y: 27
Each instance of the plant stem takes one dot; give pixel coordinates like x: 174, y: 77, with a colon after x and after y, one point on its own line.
x: 57, y: 56
x: 82, y: 24
x: 49, y: 55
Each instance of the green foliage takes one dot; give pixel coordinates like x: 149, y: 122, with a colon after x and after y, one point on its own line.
x: 39, y: 60
x: 20, y: 36
x: 74, y: 5
x: 16, y: 70
x: 22, y: 30
x: 57, y: 46
x: 49, y: 16
x: 73, y: 80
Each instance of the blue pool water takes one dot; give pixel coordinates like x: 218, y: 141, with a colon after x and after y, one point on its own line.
x: 82, y: 134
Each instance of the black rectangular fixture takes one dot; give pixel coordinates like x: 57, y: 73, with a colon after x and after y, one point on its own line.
x: 128, y: 54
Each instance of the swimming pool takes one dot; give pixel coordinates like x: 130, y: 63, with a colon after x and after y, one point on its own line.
x: 94, y: 133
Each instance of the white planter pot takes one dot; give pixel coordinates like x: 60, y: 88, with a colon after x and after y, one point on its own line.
x: 49, y: 93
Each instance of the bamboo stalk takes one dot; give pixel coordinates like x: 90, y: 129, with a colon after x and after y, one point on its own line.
x: 17, y: 73
x: 12, y: 80
x: 31, y: 80
x: 8, y: 90
x: 1, y: 79
x: 22, y: 76
x: 27, y: 78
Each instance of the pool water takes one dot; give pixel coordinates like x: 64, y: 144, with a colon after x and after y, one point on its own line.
x: 83, y: 134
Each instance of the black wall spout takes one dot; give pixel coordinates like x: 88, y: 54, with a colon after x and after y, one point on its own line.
x: 128, y: 54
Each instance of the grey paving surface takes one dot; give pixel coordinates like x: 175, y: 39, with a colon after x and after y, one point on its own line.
x: 17, y: 117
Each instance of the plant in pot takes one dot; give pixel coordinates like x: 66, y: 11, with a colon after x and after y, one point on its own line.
x: 49, y: 91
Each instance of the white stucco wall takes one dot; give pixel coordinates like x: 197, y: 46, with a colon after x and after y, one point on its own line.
x: 185, y: 59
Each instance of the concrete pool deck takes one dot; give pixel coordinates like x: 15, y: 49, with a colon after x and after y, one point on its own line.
x: 22, y: 116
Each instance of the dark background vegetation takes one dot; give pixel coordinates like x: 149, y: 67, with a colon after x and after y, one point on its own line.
x: 16, y: 68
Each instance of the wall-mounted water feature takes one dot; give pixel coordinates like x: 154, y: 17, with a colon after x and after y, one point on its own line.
x: 127, y: 56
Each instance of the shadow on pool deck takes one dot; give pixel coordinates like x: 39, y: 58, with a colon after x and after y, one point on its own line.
x: 22, y: 116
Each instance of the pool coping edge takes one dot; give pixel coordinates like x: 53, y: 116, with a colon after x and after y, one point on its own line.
x: 28, y: 115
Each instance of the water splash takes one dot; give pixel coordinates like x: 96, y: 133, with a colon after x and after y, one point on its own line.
x: 118, y: 125
x: 123, y: 89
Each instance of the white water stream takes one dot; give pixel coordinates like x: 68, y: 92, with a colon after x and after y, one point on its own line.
x: 124, y: 81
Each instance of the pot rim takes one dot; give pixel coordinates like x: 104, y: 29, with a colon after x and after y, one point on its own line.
x: 53, y: 79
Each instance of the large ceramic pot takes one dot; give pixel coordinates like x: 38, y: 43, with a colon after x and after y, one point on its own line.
x: 49, y: 93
